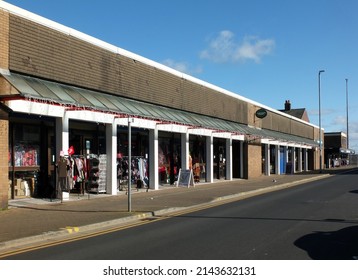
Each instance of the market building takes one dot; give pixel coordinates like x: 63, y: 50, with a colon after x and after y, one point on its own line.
x: 68, y: 97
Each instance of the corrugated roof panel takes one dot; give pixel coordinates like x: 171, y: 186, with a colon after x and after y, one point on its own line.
x: 153, y: 111
x: 116, y: 103
x: 81, y: 100
x: 133, y: 108
x: 60, y: 93
x: 41, y: 89
x: 92, y: 97
x: 21, y: 85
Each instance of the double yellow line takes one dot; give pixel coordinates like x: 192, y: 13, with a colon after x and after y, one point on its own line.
x: 142, y: 221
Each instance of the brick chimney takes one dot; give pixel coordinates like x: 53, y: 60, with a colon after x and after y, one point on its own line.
x: 287, y: 105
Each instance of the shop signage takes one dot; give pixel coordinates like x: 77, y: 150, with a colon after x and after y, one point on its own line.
x: 185, y: 178
x: 261, y: 113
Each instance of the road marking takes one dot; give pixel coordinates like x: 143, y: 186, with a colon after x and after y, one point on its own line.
x: 73, y: 238
x: 72, y: 229
x: 140, y: 222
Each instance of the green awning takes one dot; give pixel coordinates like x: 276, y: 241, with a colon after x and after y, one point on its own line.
x: 53, y: 92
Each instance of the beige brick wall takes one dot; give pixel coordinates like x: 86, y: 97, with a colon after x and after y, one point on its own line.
x: 253, y: 157
x: 4, y: 124
x: 4, y: 39
x: 43, y: 52
x: 4, y: 173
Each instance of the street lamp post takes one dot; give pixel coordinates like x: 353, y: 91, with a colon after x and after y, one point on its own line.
x: 320, y: 124
x: 347, y: 112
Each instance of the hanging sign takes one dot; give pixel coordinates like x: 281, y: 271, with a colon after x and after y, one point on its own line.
x: 185, y: 178
x: 261, y: 113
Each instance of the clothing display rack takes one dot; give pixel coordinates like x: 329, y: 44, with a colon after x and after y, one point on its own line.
x: 71, y: 171
x: 96, y: 170
x: 139, y: 168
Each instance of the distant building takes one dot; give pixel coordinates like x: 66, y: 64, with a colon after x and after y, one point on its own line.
x: 335, y: 149
x: 300, y: 113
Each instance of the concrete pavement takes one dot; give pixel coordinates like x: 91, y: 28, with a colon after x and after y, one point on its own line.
x: 31, y: 220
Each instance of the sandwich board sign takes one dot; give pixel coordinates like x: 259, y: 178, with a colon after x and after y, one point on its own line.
x: 185, y: 178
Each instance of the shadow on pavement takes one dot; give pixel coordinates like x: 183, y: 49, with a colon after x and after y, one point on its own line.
x: 333, y: 245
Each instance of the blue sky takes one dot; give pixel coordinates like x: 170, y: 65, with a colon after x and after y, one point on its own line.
x: 268, y: 51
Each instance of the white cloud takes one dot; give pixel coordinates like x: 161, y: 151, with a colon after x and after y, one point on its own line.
x: 324, y: 112
x: 353, y: 129
x: 353, y: 135
x: 182, y: 66
x: 339, y: 120
x: 223, y: 48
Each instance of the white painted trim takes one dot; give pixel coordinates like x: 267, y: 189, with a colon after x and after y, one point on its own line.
x: 209, y: 159
x: 36, y: 108
x: 200, y: 131
x: 172, y: 128
x: 238, y: 137
x: 153, y: 159
x: 225, y: 135
x: 229, y: 159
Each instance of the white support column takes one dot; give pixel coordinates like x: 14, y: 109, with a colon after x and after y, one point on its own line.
x: 185, y: 151
x: 111, y: 151
x: 153, y: 159
x: 305, y: 160
x: 299, y: 158
x: 210, y: 159
x: 62, y: 135
x: 286, y: 153
x: 229, y: 159
x: 277, y: 160
x: 241, y: 159
x: 267, y: 156
x: 293, y: 149
x: 285, y: 157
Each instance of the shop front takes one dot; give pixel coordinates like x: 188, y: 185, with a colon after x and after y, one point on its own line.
x: 34, y: 164
x: 86, y: 158
x: 169, y: 157
x: 273, y: 149
x: 197, y: 148
x: 219, y: 159
x: 237, y: 155
x: 283, y: 159
x: 139, y: 157
x: 31, y: 156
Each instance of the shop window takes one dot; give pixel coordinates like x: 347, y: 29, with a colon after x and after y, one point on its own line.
x: 169, y: 160
x: 26, y: 146
x: 197, y: 147
x: 139, y: 157
x: 219, y: 159
x: 273, y: 159
x: 24, y: 159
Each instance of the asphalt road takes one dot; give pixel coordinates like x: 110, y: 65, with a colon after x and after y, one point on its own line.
x: 317, y: 220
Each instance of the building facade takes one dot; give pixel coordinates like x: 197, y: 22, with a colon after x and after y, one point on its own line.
x: 67, y: 95
x: 336, y: 151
